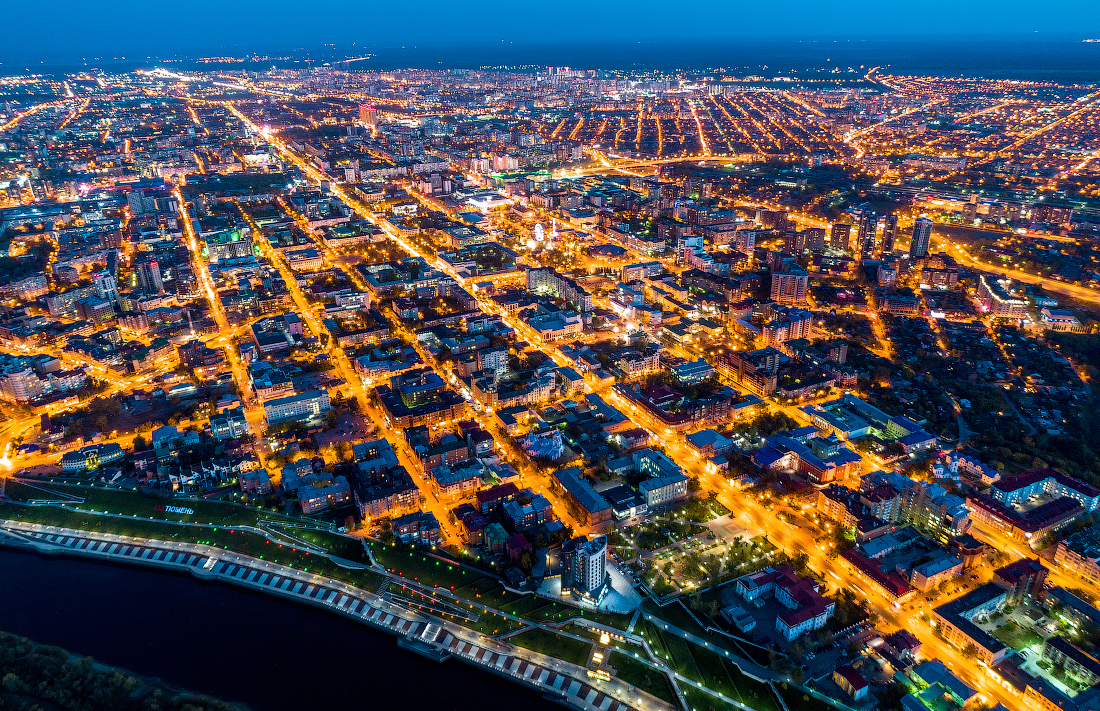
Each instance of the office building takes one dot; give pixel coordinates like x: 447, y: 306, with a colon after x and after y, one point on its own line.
x: 1002, y: 298
x: 922, y: 238
x: 889, y: 234
x: 866, y: 235
x: 105, y: 286
x: 548, y: 281
x: 227, y: 244
x: 230, y: 424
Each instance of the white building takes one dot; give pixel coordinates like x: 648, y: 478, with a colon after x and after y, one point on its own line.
x: 584, y: 567
x: 309, y: 404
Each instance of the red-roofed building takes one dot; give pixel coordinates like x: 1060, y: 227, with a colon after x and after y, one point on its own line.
x: 489, y: 499
x: 473, y: 525
x: 1022, y: 578
x: 903, y: 644
x: 807, y: 609
x: 515, y: 546
x: 851, y: 681
x: 1016, y: 489
x: 889, y: 584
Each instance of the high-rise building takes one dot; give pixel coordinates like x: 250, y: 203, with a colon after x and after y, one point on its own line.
x: 368, y: 115
x: 584, y: 567
x: 227, y: 244
x: 140, y: 203
x: 922, y: 236
x: 889, y: 233
x: 105, y: 286
x: 19, y: 382
x: 840, y: 236
x: 547, y: 281
x: 790, y: 288
x: 95, y: 310
x: 866, y: 232
x: 815, y: 239
x: 149, y: 277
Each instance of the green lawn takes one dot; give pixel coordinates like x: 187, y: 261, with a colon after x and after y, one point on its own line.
x: 341, y: 546
x: 611, y: 619
x: 702, y: 701
x: 798, y: 700
x: 486, y: 623
x: 723, y: 676
x: 553, y: 645
x: 642, y: 676
x: 674, y: 613
x: 475, y: 586
x: 133, y: 503
x: 424, y: 569
x: 229, y: 538
x: 1017, y: 637
x: 708, y: 668
x: 490, y: 624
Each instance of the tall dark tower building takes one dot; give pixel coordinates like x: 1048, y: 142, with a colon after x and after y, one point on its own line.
x: 149, y: 277
x: 840, y: 236
x: 922, y: 236
x: 889, y: 232
x: 866, y: 232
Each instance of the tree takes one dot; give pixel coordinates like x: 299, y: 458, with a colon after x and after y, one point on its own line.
x: 526, y: 561
x: 970, y: 651
x: 140, y: 443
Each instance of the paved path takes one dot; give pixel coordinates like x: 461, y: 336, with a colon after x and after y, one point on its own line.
x: 747, y: 667
x: 435, y: 636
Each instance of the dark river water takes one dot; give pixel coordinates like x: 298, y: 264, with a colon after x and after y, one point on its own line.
x: 232, y: 643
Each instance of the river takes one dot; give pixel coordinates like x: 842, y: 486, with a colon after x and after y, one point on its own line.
x: 232, y: 643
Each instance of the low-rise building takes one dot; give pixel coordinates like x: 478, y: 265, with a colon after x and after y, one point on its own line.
x: 928, y: 575
x: 324, y: 494
x: 887, y: 583
x: 589, y: 506
x: 1023, y: 579
x: 91, y: 457
x: 1030, y: 526
x: 297, y: 407
x: 851, y: 681
x: 1028, y: 484
x: 230, y: 424
x: 1080, y: 553
x: 419, y: 527
x: 955, y: 620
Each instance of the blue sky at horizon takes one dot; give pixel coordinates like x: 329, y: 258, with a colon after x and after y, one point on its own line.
x: 68, y: 30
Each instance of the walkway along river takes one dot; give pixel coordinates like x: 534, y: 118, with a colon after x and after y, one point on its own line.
x: 233, y: 643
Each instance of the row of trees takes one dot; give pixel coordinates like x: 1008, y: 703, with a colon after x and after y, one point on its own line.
x: 36, y: 677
